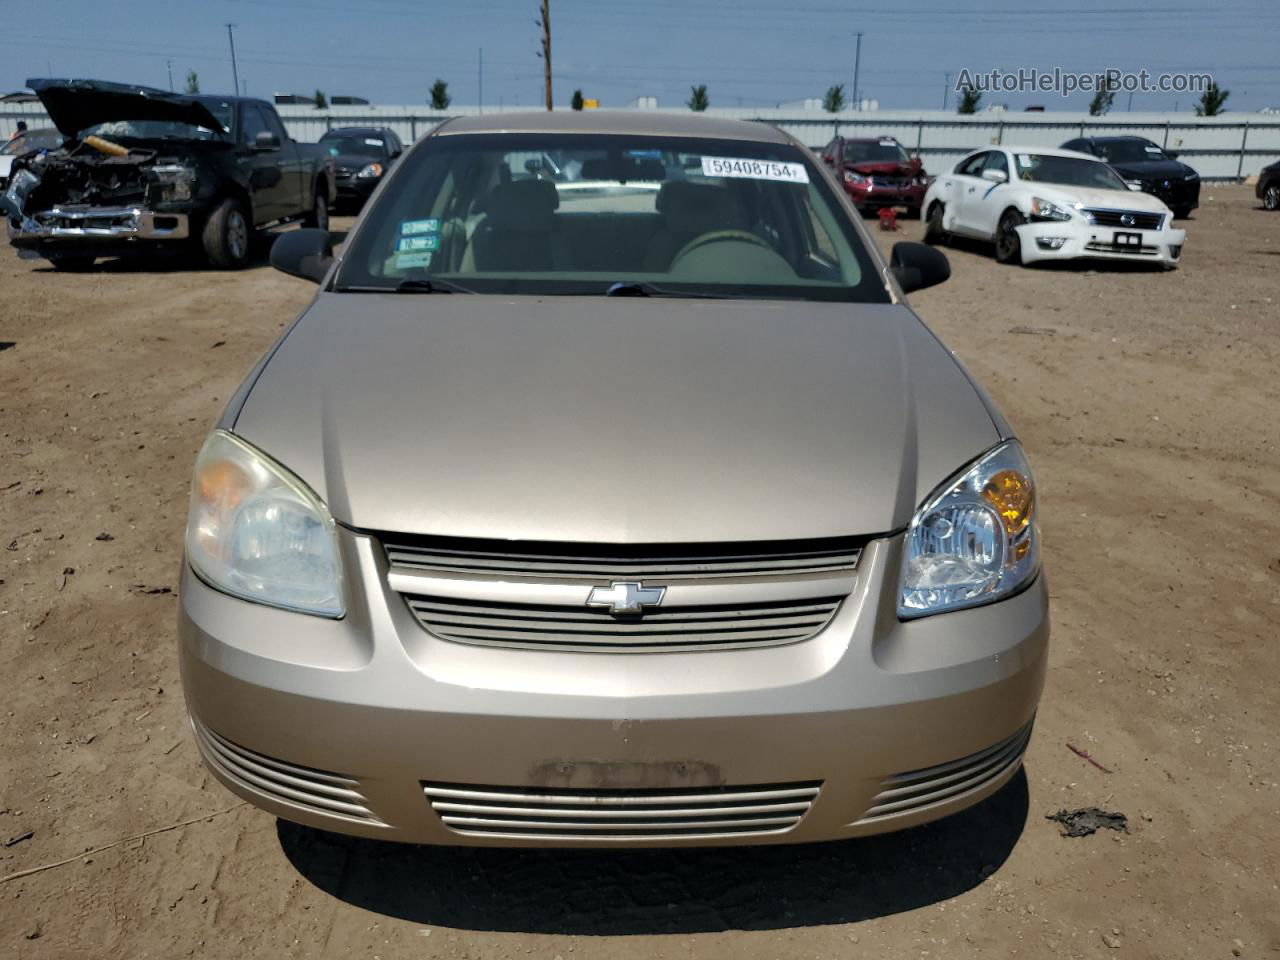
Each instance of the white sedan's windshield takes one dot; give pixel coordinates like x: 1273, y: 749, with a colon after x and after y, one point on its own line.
x: 542, y: 213
x: 1067, y: 171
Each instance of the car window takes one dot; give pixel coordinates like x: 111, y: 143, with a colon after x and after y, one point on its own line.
x: 354, y: 145
x: 253, y: 124
x: 575, y: 214
x: 1068, y: 171
x: 875, y: 151
x: 1129, y: 151
x: 274, y: 124
x: 996, y: 160
x: 972, y: 167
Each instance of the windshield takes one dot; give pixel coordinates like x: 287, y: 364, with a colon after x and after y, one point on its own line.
x: 165, y: 129
x: 577, y: 214
x: 1128, y: 151
x: 32, y: 140
x: 875, y: 151
x: 350, y: 146
x: 1068, y: 171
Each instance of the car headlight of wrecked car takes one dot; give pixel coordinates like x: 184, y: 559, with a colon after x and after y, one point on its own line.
x: 1042, y: 209
x: 255, y: 531
x: 370, y: 170
x: 174, y: 180
x: 851, y: 177
x: 975, y: 539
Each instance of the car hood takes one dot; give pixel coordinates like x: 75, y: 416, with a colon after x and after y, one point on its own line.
x: 1152, y: 170
x: 621, y: 420
x: 1114, y: 199
x: 75, y: 105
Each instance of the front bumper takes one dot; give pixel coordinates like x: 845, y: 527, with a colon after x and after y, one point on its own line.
x: 356, y: 188
x: 84, y: 223
x: 878, y: 196
x: 1085, y: 241
x: 1175, y: 194
x: 361, y: 725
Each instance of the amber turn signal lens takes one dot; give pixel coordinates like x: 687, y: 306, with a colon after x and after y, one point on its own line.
x: 1011, y: 494
x: 222, y: 483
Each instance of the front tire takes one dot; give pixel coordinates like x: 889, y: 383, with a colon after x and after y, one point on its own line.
x: 318, y: 218
x: 1271, y: 197
x: 1008, y: 243
x: 1181, y: 213
x: 933, y: 232
x: 227, y: 235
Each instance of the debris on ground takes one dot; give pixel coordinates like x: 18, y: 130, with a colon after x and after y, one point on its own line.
x: 1084, y: 755
x: 1035, y: 331
x: 14, y: 841
x: 150, y: 591
x: 104, y: 537
x: 1085, y: 821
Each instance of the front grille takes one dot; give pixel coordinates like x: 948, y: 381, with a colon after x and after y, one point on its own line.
x: 580, y: 628
x: 569, y: 814
x: 907, y: 793
x: 318, y: 791
x: 1112, y: 218
x: 606, y: 562
x: 892, y: 183
x: 1146, y: 251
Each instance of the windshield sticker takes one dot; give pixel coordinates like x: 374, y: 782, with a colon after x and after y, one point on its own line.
x: 1024, y: 161
x: 754, y: 169
x: 888, y: 143
x: 372, y: 142
x: 412, y: 244
x: 409, y: 228
x: 406, y: 261
x: 1152, y: 149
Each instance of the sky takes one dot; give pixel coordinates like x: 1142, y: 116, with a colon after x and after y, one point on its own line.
x: 750, y: 53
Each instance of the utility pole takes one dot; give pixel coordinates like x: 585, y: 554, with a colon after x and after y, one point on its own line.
x: 169, y: 64
x: 1130, y: 101
x: 946, y: 89
x: 480, y: 62
x: 546, y: 49
x: 857, y: 57
x: 235, y: 74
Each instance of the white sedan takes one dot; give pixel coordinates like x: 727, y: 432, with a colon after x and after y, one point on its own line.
x: 1038, y: 203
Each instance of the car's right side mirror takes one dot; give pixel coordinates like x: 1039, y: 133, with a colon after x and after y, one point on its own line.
x: 916, y: 266
x: 303, y: 253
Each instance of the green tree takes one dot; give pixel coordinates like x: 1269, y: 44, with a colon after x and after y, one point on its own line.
x: 322, y: 101
x: 1103, y: 98
x: 833, y: 102
x: 193, y: 82
x: 440, y: 98
x: 970, y: 97
x: 698, y: 100
x: 1211, y: 100
x: 576, y: 102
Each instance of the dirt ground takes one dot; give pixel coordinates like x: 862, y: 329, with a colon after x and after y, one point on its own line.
x: 1150, y: 407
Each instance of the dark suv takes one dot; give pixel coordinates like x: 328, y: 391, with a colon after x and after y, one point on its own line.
x: 361, y: 156
x: 877, y: 172
x: 1140, y: 161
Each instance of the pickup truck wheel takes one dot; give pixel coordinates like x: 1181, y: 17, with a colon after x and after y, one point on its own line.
x: 1181, y: 213
x: 1271, y: 197
x: 226, y: 236
x: 70, y: 263
x: 319, y: 215
x: 933, y: 232
x: 1008, y: 245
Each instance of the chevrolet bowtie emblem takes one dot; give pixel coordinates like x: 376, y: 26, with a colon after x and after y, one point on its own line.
x: 626, y: 597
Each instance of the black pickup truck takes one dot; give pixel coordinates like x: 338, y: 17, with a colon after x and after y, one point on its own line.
x: 145, y: 171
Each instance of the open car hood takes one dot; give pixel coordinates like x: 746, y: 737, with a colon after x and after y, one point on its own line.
x: 74, y: 105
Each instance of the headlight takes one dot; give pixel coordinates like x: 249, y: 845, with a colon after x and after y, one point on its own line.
x: 1048, y: 210
x: 370, y: 170
x: 975, y: 539
x: 255, y: 531
x: 175, y: 181
x: 851, y: 177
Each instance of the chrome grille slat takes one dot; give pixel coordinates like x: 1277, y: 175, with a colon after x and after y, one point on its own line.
x: 1142, y: 219
x: 556, y: 627
x: 620, y: 814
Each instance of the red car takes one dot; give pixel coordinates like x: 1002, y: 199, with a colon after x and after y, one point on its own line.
x: 878, y: 172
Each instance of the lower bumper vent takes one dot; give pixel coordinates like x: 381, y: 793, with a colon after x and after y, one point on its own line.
x: 565, y: 814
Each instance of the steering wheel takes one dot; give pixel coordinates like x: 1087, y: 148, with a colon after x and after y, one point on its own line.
x: 719, y: 236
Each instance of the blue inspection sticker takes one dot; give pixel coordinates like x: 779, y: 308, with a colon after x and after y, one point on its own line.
x: 410, y: 244
x: 407, y: 261
x: 410, y: 228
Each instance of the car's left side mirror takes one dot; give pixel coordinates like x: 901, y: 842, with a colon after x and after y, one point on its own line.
x: 1135, y: 187
x: 994, y: 175
x: 917, y: 265
x: 266, y: 140
x: 1171, y: 154
x: 303, y: 253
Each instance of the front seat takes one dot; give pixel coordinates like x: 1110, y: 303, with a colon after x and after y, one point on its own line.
x: 519, y: 231
x: 688, y: 211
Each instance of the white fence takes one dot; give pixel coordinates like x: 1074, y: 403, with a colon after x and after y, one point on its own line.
x: 1228, y: 147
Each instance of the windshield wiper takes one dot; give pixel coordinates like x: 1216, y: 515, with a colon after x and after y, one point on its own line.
x: 645, y: 289
x: 431, y: 286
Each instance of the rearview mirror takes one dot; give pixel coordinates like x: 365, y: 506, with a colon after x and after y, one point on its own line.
x: 303, y: 253
x: 995, y: 176
x: 917, y: 265
x: 266, y: 140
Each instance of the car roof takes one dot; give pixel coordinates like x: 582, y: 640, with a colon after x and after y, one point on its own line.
x: 869, y: 139
x: 1119, y: 137
x: 1033, y: 148
x: 654, y: 123
x: 356, y: 131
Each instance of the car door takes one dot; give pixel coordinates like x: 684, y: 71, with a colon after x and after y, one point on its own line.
x: 266, y: 166
x: 297, y: 174
x: 967, y: 181
x: 984, y: 206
